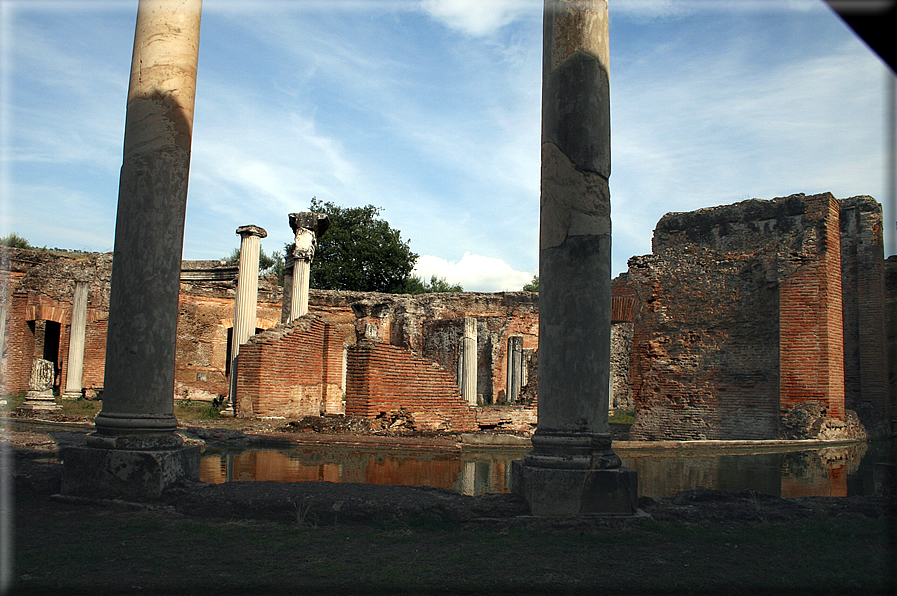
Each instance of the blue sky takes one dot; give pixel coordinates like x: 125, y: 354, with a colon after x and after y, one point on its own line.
x: 430, y: 110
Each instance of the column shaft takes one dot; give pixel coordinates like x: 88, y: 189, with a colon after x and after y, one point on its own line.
x: 515, y: 368
x: 572, y: 469
x: 149, y: 229
x: 246, y: 303
x: 77, y: 334
x: 299, y: 290
x: 469, y: 375
x: 307, y: 227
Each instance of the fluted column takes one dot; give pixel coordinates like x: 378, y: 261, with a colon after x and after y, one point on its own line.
x: 469, y: 358
x: 246, y: 304
x: 515, y: 368
x: 77, y: 334
x: 572, y: 469
x: 307, y: 227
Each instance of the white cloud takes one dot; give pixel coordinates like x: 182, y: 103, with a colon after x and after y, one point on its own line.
x: 479, y: 18
x: 475, y: 273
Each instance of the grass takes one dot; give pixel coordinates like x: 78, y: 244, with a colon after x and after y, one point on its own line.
x: 184, y: 409
x: 621, y: 417
x: 62, y: 547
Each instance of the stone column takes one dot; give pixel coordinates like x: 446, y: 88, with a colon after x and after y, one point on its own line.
x: 39, y: 397
x: 285, y: 308
x: 246, y: 304
x: 307, y: 227
x: 515, y: 367
x: 77, y: 333
x: 135, y: 450
x: 572, y: 469
x: 469, y: 359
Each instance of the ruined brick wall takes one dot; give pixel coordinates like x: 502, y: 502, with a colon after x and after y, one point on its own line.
x: 430, y: 325
x: 865, y: 329
x: 891, y: 333
x: 292, y: 370
x: 383, y: 378
x: 811, y: 331
x: 740, y: 308
x: 18, y: 351
x: 40, y: 287
x: 205, y: 323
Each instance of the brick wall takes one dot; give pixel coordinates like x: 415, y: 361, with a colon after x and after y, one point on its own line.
x: 383, y: 377
x: 19, y: 349
x: 865, y: 329
x: 292, y: 370
x: 891, y: 332
x: 740, y: 318
x: 811, y: 332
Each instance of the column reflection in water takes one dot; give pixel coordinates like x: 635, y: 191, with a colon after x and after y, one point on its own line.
x: 832, y: 471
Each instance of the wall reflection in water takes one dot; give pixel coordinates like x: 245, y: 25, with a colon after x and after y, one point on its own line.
x: 832, y: 471
x: 469, y: 474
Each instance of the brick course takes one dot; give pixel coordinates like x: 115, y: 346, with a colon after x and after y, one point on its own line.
x: 383, y: 378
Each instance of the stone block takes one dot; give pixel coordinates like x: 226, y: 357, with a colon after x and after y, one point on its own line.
x: 565, y: 492
x: 101, y: 473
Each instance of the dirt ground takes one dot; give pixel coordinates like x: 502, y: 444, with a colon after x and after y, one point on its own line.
x: 317, y: 537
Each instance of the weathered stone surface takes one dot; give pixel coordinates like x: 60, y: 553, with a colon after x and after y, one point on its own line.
x: 565, y: 492
x: 741, y: 315
x: 77, y: 336
x: 140, y: 475
x: 40, y: 388
x: 572, y: 469
x: 149, y: 231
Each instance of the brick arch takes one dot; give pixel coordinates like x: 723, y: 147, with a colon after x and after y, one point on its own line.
x: 623, y: 309
x: 45, y: 312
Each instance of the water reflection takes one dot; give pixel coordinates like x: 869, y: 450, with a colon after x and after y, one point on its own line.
x: 831, y: 471
x: 467, y: 473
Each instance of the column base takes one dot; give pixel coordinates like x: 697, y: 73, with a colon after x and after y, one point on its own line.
x: 39, y: 401
x: 130, y: 474
x: 572, y: 492
x: 73, y: 394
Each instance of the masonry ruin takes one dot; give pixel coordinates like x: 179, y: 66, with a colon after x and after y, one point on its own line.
x: 697, y: 334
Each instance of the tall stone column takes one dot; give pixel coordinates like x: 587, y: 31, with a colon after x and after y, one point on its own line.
x: 77, y: 334
x: 307, y: 227
x: 246, y: 304
x: 286, y: 305
x: 515, y: 368
x: 135, y: 450
x: 572, y: 469
x: 469, y: 359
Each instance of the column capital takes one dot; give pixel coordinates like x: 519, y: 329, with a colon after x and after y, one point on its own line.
x: 316, y: 222
x: 246, y: 231
x: 308, y: 227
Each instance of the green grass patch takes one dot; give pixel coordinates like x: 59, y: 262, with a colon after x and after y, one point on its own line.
x: 621, y: 417
x: 185, y: 409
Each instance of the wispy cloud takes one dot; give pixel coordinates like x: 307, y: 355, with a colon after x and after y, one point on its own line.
x: 475, y: 273
x: 478, y: 18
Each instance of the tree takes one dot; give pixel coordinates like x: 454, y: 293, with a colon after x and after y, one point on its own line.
x: 266, y: 262
x: 532, y: 286
x: 13, y: 240
x: 416, y: 285
x: 360, y: 251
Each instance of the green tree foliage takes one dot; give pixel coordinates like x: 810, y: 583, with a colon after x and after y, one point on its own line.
x: 13, y: 240
x: 266, y: 262
x: 360, y: 252
x: 532, y: 286
x: 416, y: 285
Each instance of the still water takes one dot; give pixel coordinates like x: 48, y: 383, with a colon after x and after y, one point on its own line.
x: 844, y: 470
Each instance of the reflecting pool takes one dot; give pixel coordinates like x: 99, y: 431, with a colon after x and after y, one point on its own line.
x: 843, y: 470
